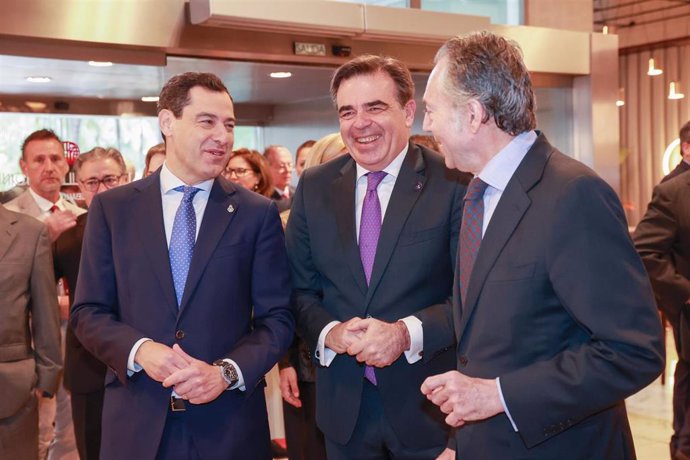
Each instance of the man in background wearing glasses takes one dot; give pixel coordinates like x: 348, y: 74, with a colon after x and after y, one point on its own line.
x: 97, y: 170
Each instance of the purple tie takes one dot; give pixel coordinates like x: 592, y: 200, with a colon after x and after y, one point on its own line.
x: 369, y: 230
x: 471, y: 232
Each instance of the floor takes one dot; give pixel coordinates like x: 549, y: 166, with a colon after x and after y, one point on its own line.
x: 650, y: 412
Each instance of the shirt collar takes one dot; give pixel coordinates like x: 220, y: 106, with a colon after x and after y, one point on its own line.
x: 503, y: 165
x: 44, y: 204
x: 170, y: 181
x: 393, y: 168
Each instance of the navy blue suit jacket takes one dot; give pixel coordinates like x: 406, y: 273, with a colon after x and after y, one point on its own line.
x: 235, y: 305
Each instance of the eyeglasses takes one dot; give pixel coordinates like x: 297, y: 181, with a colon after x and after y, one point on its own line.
x: 108, y: 181
x: 239, y: 172
x: 282, y: 166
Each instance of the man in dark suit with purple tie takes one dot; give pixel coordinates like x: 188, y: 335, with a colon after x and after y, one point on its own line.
x: 183, y: 293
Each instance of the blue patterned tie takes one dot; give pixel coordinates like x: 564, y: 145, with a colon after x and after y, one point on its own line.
x: 369, y: 231
x: 182, y: 239
x: 471, y: 232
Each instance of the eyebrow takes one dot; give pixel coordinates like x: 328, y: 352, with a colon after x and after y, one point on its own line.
x: 366, y: 105
x: 214, y: 116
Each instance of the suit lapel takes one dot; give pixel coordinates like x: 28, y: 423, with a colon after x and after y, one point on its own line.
x: 148, y: 208
x: 7, y: 231
x: 343, y: 192
x: 408, y: 188
x: 511, y: 208
x: 220, y: 210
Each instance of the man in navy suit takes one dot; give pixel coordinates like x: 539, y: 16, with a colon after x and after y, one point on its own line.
x: 183, y: 293
x: 373, y: 311
x: 554, y: 315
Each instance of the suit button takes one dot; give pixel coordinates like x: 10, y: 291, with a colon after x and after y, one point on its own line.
x: 179, y: 335
x: 463, y: 360
x: 421, y: 354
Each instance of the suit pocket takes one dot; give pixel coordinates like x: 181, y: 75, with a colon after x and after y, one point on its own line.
x: 230, y: 249
x: 511, y: 273
x: 17, y: 379
x: 408, y: 238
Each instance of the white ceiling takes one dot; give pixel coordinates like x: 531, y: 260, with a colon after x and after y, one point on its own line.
x: 248, y: 82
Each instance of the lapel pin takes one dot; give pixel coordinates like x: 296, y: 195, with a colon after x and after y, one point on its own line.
x: 231, y: 209
x: 418, y: 186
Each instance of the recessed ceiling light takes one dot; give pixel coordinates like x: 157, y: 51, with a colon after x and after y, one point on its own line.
x: 149, y: 99
x: 281, y: 74
x: 38, y: 79
x: 100, y: 63
x: 35, y: 105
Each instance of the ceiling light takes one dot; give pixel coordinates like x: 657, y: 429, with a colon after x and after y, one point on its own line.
x: 605, y: 30
x: 281, y: 74
x: 653, y: 71
x: 100, y: 63
x: 38, y: 79
x: 35, y: 105
x: 674, y: 91
x: 620, y: 102
x: 149, y: 99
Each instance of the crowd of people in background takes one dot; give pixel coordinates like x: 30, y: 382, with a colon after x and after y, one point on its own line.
x: 469, y: 294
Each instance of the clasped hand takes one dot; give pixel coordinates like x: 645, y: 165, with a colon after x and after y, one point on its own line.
x: 372, y: 341
x: 192, y: 379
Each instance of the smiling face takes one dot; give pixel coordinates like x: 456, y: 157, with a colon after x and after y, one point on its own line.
x: 198, y: 144
x: 448, y: 121
x: 373, y: 124
x: 44, y: 164
x: 240, y: 172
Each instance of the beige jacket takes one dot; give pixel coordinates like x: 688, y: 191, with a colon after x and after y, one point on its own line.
x: 29, y: 325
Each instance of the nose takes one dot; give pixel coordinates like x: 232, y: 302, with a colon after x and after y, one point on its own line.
x: 101, y: 187
x: 426, y: 124
x: 362, y: 119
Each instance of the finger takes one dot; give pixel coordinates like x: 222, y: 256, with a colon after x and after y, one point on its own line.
x: 178, y: 349
x: 357, y: 325
x: 294, y: 388
x: 356, y: 348
x: 179, y: 376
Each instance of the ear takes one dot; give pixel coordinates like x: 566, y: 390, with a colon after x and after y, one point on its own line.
x: 166, y: 120
x: 475, y: 114
x: 23, y: 166
x: 410, y: 108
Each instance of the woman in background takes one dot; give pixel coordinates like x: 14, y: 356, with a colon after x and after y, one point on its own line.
x: 248, y: 169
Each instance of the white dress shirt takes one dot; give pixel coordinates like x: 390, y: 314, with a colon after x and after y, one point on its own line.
x: 384, y: 191
x: 497, y: 173
x: 171, y: 200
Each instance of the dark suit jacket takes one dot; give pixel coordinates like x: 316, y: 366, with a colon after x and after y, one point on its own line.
x: 663, y: 240
x: 679, y: 169
x: 560, y: 308
x: 283, y: 204
x: 84, y: 373
x: 29, y: 326
x: 235, y: 305
x: 412, y: 275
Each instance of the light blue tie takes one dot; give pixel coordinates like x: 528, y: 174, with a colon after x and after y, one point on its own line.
x: 182, y: 239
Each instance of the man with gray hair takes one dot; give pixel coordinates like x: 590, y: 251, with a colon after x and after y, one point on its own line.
x: 553, y: 311
x: 97, y: 170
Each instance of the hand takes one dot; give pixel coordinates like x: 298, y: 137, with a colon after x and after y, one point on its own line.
x: 447, y: 454
x: 380, y: 343
x: 63, y: 303
x: 158, y: 360
x: 463, y: 398
x: 288, y: 386
x: 199, y: 382
x: 341, y: 336
x: 58, y: 222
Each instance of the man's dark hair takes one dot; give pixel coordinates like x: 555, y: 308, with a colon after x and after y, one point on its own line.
x: 175, y: 94
x: 369, y: 64
x: 40, y: 135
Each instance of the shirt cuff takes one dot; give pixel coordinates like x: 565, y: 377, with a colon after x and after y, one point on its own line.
x: 503, y: 403
x: 240, y: 379
x: 414, y: 327
x: 132, y: 367
x: 324, y: 354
